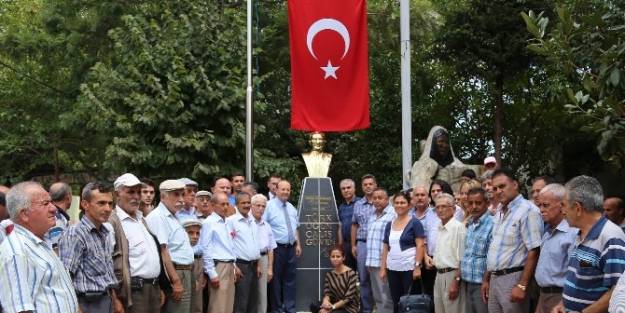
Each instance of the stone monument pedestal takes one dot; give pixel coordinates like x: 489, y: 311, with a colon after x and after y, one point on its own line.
x: 318, y: 218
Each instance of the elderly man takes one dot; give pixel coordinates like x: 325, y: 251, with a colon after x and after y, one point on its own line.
x: 61, y: 195
x: 217, y: 245
x: 382, y: 215
x: 176, y: 250
x: 281, y: 215
x: 224, y: 185
x: 136, y: 257
x: 596, y: 262
x: 450, y: 248
x: 266, y: 244
x: 247, y: 254
x: 363, y: 210
x: 473, y: 263
x: 188, y: 209
x: 557, y: 243
x: 33, y: 278
x: 203, y: 204
x: 424, y: 212
x: 86, y: 252
x: 614, y: 210
x: 513, y: 251
x: 346, y: 211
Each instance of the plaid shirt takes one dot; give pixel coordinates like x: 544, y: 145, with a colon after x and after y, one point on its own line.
x: 479, y: 235
x: 375, y: 235
x: 363, y: 210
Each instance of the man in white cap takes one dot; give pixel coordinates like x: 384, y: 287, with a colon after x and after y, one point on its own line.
x: 190, y: 190
x: 136, y: 254
x: 176, y: 249
x: 203, y: 204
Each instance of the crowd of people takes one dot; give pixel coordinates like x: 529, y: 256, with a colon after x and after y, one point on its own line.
x: 484, y: 248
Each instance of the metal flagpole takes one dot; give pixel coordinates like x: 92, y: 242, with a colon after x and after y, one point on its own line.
x: 249, y: 148
x: 406, y: 110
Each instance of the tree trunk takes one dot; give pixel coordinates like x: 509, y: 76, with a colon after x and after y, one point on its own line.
x: 499, y: 114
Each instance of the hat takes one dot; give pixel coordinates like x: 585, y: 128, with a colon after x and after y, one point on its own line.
x: 127, y: 180
x: 188, y: 182
x: 171, y: 184
x: 190, y: 222
x: 489, y: 160
x: 204, y: 193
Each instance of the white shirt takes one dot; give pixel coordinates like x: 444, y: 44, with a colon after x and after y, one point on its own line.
x: 450, y: 244
x: 245, y: 237
x: 396, y: 259
x: 266, y: 241
x: 142, y: 252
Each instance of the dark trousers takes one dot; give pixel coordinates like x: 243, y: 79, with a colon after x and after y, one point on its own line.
x: 428, y: 277
x: 400, y: 283
x: 98, y: 304
x: 146, y: 299
x: 246, y: 289
x: 349, y: 257
x: 283, y: 282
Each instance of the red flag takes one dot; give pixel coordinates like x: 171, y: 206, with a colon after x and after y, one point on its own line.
x: 329, y: 65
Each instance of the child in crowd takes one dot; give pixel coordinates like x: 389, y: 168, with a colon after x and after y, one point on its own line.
x: 193, y: 227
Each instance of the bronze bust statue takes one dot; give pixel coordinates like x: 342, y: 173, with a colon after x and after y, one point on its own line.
x: 317, y: 161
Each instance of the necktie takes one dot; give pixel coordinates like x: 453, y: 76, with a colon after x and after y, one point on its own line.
x: 288, y: 223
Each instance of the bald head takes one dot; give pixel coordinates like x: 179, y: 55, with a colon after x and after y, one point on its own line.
x: 222, y: 184
x: 614, y: 209
x: 284, y: 190
x: 61, y: 195
x: 220, y: 203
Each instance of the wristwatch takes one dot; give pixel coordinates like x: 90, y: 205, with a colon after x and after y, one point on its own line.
x: 417, y: 264
x: 333, y: 307
x: 457, y: 278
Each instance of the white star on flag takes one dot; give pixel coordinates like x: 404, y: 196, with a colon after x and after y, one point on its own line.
x: 330, y: 70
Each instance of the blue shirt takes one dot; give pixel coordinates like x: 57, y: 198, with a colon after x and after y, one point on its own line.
x: 516, y: 232
x: 346, y: 211
x: 595, y: 265
x: 32, y: 276
x: 87, y: 254
x: 479, y: 235
x: 555, y: 250
x: 165, y: 226
x: 53, y: 234
x: 430, y: 222
x: 363, y: 210
x: 216, y: 242
x: 245, y: 237
x: 274, y: 216
x: 185, y: 213
x: 375, y: 235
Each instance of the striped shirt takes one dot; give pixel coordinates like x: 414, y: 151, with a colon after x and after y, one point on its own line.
x: 375, y: 235
x: 87, y: 254
x: 343, y: 287
x: 479, y: 236
x: 363, y: 210
x: 32, y: 276
x: 596, y: 264
x: 516, y: 232
x: 430, y: 222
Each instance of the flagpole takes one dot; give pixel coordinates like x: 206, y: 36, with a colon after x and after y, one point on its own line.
x: 406, y: 110
x: 249, y: 149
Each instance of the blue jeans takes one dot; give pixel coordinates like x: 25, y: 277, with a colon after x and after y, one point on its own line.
x: 366, y: 303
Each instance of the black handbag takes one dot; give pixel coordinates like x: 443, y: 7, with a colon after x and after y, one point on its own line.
x: 421, y: 303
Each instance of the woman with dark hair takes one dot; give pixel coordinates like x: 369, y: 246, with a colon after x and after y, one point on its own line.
x: 402, y: 250
x: 439, y: 186
x: 340, y: 291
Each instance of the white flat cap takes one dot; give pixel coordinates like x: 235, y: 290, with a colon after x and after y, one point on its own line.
x: 171, y: 184
x: 127, y: 180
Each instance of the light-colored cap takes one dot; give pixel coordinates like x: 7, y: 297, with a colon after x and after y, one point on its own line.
x: 188, y: 182
x: 204, y: 193
x: 489, y: 160
x: 127, y: 180
x: 171, y: 184
x: 186, y: 222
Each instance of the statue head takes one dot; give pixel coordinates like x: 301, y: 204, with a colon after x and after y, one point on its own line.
x: 317, y: 141
x: 440, y: 150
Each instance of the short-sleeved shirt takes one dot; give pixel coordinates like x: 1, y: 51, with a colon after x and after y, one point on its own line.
x: 477, y: 241
x: 87, y: 253
x: 450, y: 242
x: 375, y: 235
x: 143, y: 254
x: 595, y: 265
x: 266, y: 242
x: 363, y: 210
x: 274, y: 216
x: 244, y: 237
x: 32, y: 276
x: 555, y: 251
x: 516, y: 232
x: 346, y: 212
x: 430, y: 222
x: 165, y: 226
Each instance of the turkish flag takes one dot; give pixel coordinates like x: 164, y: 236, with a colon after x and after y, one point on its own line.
x: 329, y: 65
